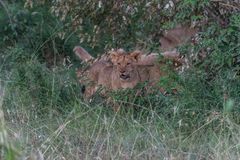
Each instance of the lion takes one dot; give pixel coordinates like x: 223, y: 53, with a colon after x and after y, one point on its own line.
x: 120, y: 70
x: 117, y: 71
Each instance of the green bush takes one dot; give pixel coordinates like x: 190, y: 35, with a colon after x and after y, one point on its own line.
x: 43, y: 109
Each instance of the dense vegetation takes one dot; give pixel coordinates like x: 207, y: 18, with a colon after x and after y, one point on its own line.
x: 43, y: 115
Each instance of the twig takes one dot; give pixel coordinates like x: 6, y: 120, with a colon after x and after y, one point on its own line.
x: 213, y: 15
x: 229, y: 5
x: 221, y: 2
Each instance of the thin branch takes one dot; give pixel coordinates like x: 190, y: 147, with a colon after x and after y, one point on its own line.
x: 223, y: 3
x: 229, y: 5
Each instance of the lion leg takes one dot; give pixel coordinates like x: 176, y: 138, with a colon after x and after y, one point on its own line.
x: 89, y: 92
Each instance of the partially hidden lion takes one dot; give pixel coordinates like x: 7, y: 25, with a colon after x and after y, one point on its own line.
x: 120, y: 70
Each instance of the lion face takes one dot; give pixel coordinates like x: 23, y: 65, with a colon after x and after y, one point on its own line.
x: 125, y: 64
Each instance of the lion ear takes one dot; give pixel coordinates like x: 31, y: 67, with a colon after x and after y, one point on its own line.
x: 136, y: 55
x: 121, y: 51
x: 113, y: 56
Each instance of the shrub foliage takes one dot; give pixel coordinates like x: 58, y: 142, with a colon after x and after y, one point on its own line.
x: 40, y: 88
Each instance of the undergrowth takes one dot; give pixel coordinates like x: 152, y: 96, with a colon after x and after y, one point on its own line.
x: 43, y: 114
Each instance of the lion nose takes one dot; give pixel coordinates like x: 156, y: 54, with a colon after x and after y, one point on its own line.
x: 121, y: 71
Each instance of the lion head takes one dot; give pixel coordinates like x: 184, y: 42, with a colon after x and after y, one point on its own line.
x: 125, y: 64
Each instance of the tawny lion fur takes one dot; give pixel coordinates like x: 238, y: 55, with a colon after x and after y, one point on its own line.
x: 120, y: 70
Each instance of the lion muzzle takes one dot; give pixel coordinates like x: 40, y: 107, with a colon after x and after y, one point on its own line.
x: 124, y: 76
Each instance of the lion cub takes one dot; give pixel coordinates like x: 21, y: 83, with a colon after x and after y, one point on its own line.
x: 119, y: 70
